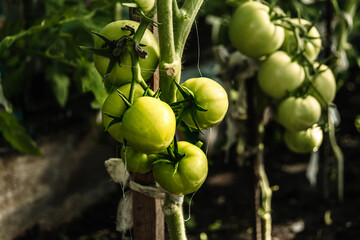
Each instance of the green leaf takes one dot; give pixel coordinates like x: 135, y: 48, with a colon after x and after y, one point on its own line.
x: 15, y: 134
x: 13, y: 80
x: 59, y: 83
x: 89, y: 80
x: 3, y: 101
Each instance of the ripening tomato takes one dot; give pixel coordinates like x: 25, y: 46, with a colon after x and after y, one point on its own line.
x: 324, y: 85
x: 211, y: 96
x: 305, y: 141
x: 190, y: 174
x: 149, y: 125
x: 135, y: 161
x: 145, y: 5
x: 114, y: 108
x: 310, y: 40
x: 121, y: 73
x: 252, y: 32
x: 279, y: 74
x: 297, y: 114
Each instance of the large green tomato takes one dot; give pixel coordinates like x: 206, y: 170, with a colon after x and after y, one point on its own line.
x: 311, y: 41
x: 149, y: 125
x: 324, y: 84
x: 252, y: 32
x: 135, y: 161
x: 121, y: 73
x: 211, y: 96
x: 279, y: 75
x: 297, y: 114
x: 305, y: 141
x: 114, y: 107
x: 190, y: 174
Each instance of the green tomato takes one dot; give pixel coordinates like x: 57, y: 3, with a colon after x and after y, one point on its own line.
x: 305, y: 141
x: 190, y: 174
x: 135, y: 161
x: 278, y: 75
x: 145, y: 5
x: 122, y: 72
x: 149, y: 125
x: 323, y: 85
x: 114, y: 106
x: 311, y: 41
x: 211, y: 96
x: 297, y: 114
x: 252, y: 32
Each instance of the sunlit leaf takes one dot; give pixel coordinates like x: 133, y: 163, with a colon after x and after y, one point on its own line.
x: 90, y: 80
x: 16, y: 135
x: 59, y: 83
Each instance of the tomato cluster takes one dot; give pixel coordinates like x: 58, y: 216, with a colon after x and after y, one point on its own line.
x: 287, y: 49
x: 145, y: 125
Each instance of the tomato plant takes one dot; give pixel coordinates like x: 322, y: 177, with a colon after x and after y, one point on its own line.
x: 149, y: 125
x: 252, y: 32
x: 323, y: 85
x: 279, y: 74
x: 210, y: 96
x: 308, y: 42
x: 305, y: 141
x: 121, y: 73
x: 114, y: 108
x: 187, y: 174
x: 298, y: 113
x: 135, y: 161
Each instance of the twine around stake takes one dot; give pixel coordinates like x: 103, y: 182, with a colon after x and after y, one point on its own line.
x: 118, y: 173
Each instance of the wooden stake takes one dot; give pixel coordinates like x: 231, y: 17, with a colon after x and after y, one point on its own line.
x: 147, y: 213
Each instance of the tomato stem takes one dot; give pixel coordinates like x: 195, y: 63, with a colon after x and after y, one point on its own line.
x: 136, y: 70
x: 174, y: 219
x: 174, y: 27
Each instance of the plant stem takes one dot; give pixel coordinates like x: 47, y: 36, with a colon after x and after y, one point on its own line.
x: 266, y: 194
x: 339, y: 157
x: 255, y: 134
x: 174, y: 219
x: 174, y: 27
x: 349, y: 10
x: 170, y: 61
x: 184, y: 20
x: 136, y: 70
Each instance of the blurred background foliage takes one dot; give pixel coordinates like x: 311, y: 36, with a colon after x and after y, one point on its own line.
x: 44, y: 73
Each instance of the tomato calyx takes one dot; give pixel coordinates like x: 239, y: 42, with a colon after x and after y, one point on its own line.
x: 172, y: 156
x: 188, y: 105
x: 114, y: 49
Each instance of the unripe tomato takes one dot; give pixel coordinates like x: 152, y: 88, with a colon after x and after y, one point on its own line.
x: 149, y: 125
x: 312, y: 44
x: 145, y: 5
x: 190, y: 174
x: 297, y: 114
x: 135, y: 161
x: 252, y: 32
x: 279, y: 75
x: 114, y: 106
x: 211, y: 96
x: 305, y: 141
x: 121, y: 73
x: 325, y: 85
